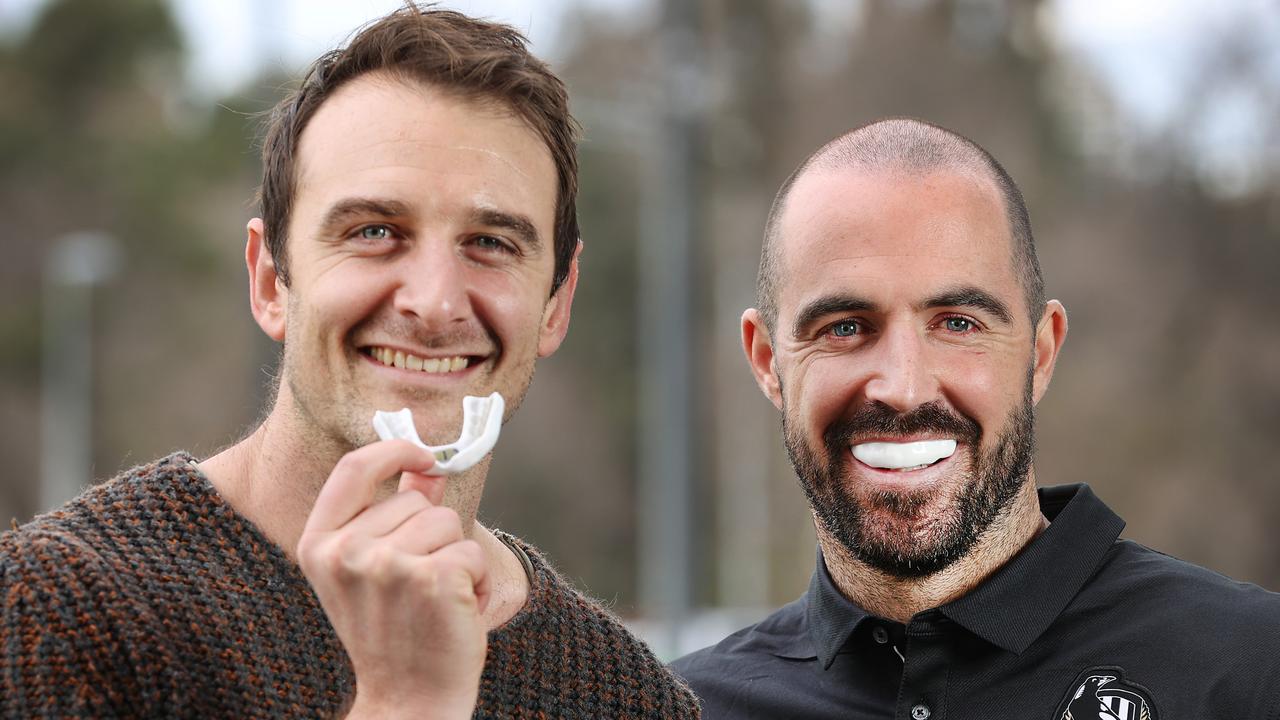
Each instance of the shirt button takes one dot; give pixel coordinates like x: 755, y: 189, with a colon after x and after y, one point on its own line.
x: 880, y: 635
x: 920, y: 712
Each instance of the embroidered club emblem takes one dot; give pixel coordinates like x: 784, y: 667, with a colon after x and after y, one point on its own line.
x: 1102, y: 693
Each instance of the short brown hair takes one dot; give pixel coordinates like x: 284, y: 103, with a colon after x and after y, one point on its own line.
x: 446, y: 49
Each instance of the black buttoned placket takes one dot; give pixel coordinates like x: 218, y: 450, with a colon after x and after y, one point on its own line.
x: 925, y: 665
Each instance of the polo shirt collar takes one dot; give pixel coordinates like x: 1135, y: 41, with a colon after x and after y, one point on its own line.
x: 831, y: 616
x: 1018, y: 602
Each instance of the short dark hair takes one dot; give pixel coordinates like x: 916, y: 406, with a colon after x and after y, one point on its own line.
x: 445, y: 49
x: 914, y: 146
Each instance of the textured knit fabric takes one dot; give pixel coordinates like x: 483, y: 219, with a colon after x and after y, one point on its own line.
x: 149, y: 596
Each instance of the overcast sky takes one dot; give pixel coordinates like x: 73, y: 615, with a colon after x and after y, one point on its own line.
x: 1142, y: 48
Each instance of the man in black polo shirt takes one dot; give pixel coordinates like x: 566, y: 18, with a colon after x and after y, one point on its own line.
x: 904, y: 334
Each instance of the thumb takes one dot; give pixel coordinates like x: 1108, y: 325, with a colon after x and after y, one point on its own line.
x: 431, y: 486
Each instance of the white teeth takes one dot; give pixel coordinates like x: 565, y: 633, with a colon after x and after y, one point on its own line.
x: 903, y: 456
x: 401, y: 359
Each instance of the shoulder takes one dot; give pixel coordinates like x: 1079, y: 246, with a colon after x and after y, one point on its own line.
x: 1219, y: 626
x: 44, y: 559
x: 1168, y: 586
x: 781, y: 634
x: 576, y: 649
x: 746, y: 661
x: 62, y: 549
x: 1193, y: 638
x: 551, y: 597
x: 63, y: 614
x: 98, y: 529
x: 52, y: 577
x: 74, y: 617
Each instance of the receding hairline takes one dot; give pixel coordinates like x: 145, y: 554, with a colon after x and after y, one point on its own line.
x: 912, y: 147
x: 396, y: 78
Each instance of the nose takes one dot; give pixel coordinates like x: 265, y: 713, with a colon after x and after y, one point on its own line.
x: 432, y: 287
x: 901, y: 375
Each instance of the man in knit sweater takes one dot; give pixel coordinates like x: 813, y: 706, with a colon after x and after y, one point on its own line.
x: 418, y: 243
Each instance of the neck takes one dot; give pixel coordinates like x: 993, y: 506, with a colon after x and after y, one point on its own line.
x: 899, y: 599
x: 273, y: 477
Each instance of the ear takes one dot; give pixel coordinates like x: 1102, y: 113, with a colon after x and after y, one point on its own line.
x: 1051, y: 333
x: 555, y: 315
x: 268, y: 296
x: 759, y: 350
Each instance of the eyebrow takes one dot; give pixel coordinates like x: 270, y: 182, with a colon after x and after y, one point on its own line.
x: 969, y: 296
x: 827, y: 305
x: 519, y: 225
x: 348, y: 209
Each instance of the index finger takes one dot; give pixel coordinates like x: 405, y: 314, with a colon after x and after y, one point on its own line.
x: 354, y: 481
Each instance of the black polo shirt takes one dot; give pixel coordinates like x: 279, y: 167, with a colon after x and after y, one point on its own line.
x: 1078, y: 625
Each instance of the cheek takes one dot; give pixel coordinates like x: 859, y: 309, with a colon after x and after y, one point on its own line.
x: 984, y: 388
x: 338, y: 301
x: 509, y: 306
x: 823, y: 391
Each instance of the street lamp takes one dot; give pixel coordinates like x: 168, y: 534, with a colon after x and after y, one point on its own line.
x: 76, y: 264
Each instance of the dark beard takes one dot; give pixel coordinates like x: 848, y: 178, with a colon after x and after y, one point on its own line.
x: 986, y: 491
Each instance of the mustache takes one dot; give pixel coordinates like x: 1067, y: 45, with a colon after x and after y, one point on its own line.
x: 451, y: 337
x: 879, y: 420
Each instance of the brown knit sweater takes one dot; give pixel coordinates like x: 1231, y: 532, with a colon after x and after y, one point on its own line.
x: 149, y: 596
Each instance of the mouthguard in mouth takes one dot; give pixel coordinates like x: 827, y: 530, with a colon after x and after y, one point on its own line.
x: 903, y: 456
x: 481, y: 421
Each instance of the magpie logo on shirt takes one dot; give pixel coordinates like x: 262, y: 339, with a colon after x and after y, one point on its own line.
x: 1102, y: 693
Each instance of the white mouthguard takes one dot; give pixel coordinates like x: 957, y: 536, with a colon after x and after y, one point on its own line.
x: 896, y: 456
x: 481, y: 421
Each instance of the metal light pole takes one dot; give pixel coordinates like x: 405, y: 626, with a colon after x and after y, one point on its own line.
x: 76, y: 264
x: 666, y: 304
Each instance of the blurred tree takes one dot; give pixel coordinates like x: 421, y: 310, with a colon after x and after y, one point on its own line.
x: 1172, y: 419
x: 1165, y: 400
x: 96, y: 132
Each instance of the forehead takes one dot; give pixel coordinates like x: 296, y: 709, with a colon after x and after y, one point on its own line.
x: 893, y: 235
x: 383, y: 136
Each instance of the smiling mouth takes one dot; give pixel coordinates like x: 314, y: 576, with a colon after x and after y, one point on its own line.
x: 407, y: 361
x: 903, y: 456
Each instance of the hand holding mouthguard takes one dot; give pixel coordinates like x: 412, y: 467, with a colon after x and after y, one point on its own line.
x: 481, y: 421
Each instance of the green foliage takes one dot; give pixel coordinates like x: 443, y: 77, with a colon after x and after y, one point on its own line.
x: 82, y: 50
x: 95, y: 129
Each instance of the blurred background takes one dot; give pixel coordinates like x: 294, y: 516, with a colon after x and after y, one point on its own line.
x: 645, y: 462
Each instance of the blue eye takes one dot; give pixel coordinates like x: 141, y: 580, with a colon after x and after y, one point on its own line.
x: 958, y: 324
x: 489, y: 242
x: 375, y: 232
x: 845, y: 328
